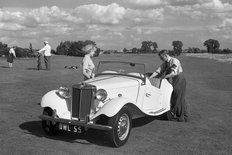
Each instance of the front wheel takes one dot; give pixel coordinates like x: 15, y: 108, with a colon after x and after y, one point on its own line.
x: 49, y: 127
x: 121, y: 126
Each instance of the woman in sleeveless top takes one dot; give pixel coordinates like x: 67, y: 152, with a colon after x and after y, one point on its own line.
x: 88, y: 66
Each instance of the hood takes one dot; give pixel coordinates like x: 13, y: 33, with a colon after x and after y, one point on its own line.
x: 113, y: 81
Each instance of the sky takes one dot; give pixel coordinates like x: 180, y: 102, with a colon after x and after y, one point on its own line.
x: 116, y: 24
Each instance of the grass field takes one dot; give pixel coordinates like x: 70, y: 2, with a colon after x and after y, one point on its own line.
x: 209, y: 97
x: 227, y: 58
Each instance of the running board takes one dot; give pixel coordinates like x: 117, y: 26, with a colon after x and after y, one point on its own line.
x: 156, y: 112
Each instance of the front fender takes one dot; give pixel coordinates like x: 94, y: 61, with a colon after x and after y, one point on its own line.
x: 112, y: 107
x: 52, y: 100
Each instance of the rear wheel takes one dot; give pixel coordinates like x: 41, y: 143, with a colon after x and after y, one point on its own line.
x: 49, y: 127
x: 121, y: 126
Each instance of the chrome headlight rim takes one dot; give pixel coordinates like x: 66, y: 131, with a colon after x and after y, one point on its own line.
x: 64, y: 92
x: 101, y: 95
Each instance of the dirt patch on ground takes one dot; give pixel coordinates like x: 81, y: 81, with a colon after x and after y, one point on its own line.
x: 227, y: 58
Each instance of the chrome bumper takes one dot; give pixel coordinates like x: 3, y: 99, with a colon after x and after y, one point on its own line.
x: 84, y: 124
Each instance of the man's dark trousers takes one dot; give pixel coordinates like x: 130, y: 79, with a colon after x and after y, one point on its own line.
x: 178, y: 101
x: 47, y: 62
x: 39, y: 67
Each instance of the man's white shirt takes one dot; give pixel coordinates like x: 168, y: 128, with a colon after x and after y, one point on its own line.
x: 177, y: 69
x: 46, y: 49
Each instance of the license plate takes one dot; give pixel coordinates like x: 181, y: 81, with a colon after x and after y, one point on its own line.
x: 71, y: 128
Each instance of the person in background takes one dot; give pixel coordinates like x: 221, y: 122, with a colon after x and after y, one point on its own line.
x: 47, y: 55
x: 39, y: 66
x: 171, y: 70
x: 88, y: 66
x: 11, y: 55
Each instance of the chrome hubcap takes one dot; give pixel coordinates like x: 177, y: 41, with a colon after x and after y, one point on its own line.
x: 123, y: 127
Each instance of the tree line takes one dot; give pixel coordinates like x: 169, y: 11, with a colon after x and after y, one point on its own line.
x: 212, y: 46
x: 73, y: 48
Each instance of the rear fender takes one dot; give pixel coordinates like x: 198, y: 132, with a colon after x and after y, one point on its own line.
x: 53, y: 101
x: 112, y: 107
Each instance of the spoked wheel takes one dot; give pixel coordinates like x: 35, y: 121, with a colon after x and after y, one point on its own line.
x: 49, y: 127
x: 121, y: 127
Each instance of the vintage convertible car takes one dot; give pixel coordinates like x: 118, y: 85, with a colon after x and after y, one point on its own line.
x: 119, y: 92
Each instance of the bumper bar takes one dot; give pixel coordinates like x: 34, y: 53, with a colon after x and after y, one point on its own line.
x: 86, y: 125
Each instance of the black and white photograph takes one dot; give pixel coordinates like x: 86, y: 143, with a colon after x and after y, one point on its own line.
x: 115, y: 77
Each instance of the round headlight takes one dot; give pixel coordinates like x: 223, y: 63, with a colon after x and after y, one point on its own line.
x: 101, y: 94
x: 64, y: 92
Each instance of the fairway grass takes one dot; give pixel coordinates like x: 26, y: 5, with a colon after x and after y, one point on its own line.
x: 227, y: 58
x: 209, y: 98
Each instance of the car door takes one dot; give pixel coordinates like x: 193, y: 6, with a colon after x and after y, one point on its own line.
x: 152, y: 99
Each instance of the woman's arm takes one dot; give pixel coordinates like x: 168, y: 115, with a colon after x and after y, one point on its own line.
x: 85, y: 68
x: 86, y: 73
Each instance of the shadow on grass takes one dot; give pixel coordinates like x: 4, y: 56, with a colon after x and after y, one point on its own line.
x: 90, y: 137
x: 4, y: 67
x: 34, y: 69
x: 147, y: 119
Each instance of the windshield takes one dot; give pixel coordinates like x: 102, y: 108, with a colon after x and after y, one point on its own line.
x: 124, y: 68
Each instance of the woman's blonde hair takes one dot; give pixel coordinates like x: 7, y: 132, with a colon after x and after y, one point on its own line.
x: 87, y: 49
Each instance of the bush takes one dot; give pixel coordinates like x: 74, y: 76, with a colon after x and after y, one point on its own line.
x: 3, y: 52
x: 20, y: 52
x: 106, y: 52
x: 195, y: 50
x: 171, y: 53
x: 226, y: 51
x: 3, y: 49
x: 73, y: 48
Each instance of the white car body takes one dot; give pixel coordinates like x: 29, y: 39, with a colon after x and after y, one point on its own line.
x: 124, y: 89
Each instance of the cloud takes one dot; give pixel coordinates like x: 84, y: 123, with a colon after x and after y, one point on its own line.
x: 161, y: 3
x: 227, y: 22
x: 186, y: 11
x: 145, y: 16
x: 200, y: 3
x: 134, y: 38
x: 182, y: 2
x: 93, y: 13
x: 146, y: 2
x: 216, y: 5
x: 11, y: 27
x: 225, y: 26
x: 114, y: 23
x: 96, y: 37
x: 117, y: 34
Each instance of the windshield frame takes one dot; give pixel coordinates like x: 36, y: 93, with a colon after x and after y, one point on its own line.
x: 142, y: 77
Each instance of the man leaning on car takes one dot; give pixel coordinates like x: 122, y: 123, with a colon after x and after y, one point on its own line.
x: 171, y: 70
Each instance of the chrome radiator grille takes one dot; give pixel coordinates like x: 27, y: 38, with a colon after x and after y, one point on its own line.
x: 82, y: 99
